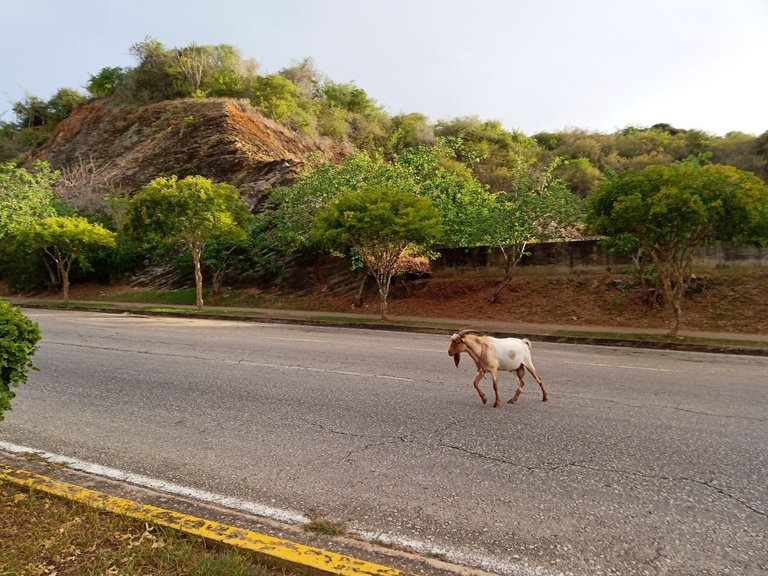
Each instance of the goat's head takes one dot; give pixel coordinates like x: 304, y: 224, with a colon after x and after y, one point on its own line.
x: 457, y: 345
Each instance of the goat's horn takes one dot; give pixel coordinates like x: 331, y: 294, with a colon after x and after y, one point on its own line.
x: 464, y: 331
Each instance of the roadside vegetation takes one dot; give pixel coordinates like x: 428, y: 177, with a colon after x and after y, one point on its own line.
x: 18, y: 343
x: 43, y: 535
x: 658, y: 193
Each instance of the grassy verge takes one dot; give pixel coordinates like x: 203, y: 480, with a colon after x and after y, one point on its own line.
x: 660, y: 338
x: 363, y: 320
x: 186, y: 297
x: 44, y: 535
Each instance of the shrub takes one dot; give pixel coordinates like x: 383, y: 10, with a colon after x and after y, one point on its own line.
x: 18, y: 342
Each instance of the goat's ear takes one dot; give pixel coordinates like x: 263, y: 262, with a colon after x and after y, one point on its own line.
x: 456, y: 358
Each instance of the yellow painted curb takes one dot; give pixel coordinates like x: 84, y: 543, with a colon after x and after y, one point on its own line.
x: 304, y: 558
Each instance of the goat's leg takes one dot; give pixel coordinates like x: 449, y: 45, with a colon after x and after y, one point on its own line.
x: 495, y: 375
x: 520, y: 384
x: 539, y: 381
x: 476, y: 383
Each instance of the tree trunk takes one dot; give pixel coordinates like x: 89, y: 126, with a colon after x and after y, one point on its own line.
x: 677, y: 315
x: 382, y: 280
x: 674, y: 272
x: 499, y: 287
x: 196, y: 252
x: 52, y: 274
x: 216, y: 281
x: 511, y: 259
x: 363, y: 281
x: 65, y: 282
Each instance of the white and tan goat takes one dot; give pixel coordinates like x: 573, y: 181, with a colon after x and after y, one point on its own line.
x: 492, y: 355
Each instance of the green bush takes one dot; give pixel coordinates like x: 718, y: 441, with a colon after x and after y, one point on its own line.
x: 18, y: 342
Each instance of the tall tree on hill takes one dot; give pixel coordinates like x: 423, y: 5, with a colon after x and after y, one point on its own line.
x: 192, y: 211
x: 671, y: 211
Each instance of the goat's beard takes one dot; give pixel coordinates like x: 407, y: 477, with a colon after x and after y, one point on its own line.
x: 456, y: 358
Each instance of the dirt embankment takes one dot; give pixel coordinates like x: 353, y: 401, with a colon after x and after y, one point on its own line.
x: 731, y: 301
x: 735, y: 302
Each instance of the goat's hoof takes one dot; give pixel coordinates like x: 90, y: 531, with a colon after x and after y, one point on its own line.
x: 511, y: 401
x: 485, y: 400
x: 496, y: 404
x: 544, y: 399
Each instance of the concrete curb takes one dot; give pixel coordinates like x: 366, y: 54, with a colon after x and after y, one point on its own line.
x: 306, y: 559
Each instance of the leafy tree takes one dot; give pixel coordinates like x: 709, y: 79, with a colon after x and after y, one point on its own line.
x: 380, y: 224
x: 673, y: 210
x: 291, y: 210
x: 431, y: 172
x: 348, y: 96
x: 332, y: 121
x: 25, y: 196
x: 192, y: 211
x: 461, y: 200
x: 105, y: 82
x: 539, y: 208
x: 491, y: 151
x: 195, y: 63
x: 275, y: 95
x: 582, y: 178
x: 31, y: 112
x: 306, y: 77
x: 409, y: 130
x: 62, y: 103
x: 157, y: 76
x: 231, y: 74
x: 62, y: 239
x: 18, y: 342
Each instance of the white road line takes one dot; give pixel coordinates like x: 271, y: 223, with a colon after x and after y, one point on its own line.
x: 293, y: 339
x: 621, y: 366
x: 319, y: 370
x: 457, y: 556
x: 418, y: 349
x: 161, y: 485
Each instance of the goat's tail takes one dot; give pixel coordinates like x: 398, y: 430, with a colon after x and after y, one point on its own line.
x: 527, y: 343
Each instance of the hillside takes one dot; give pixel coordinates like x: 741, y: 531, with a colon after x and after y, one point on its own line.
x: 102, y: 147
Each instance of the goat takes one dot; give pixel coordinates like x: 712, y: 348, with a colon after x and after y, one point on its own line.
x: 493, y: 354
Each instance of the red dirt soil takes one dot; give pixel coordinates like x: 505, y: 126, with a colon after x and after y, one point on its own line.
x: 726, y: 301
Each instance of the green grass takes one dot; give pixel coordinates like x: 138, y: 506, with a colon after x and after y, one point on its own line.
x: 659, y: 338
x: 43, y: 534
x: 182, y: 297
x: 186, y: 297
x: 320, y: 524
x: 61, y: 304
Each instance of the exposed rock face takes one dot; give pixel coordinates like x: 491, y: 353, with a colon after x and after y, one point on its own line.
x: 104, y: 148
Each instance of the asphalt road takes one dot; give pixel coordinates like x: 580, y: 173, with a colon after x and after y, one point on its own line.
x: 642, y: 462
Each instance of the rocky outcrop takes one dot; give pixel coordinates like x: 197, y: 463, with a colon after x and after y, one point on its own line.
x: 103, y: 148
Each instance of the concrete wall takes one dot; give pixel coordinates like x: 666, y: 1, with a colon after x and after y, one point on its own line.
x: 581, y: 255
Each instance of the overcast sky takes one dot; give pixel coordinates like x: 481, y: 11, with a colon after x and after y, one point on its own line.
x: 535, y: 65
